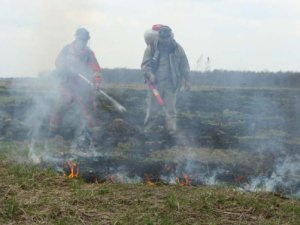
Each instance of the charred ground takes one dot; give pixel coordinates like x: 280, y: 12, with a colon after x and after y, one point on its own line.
x: 228, y: 136
x: 225, y: 133
x: 30, y: 195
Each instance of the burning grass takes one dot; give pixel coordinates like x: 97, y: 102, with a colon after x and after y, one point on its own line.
x: 236, y: 134
x: 29, y: 195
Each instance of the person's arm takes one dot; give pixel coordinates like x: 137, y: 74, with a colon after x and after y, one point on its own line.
x: 61, y: 60
x: 96, y: 69
x: 184, y: 68
x: 146, y: 65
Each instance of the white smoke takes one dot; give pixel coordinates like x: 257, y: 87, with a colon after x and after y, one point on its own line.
x: 284, y: 177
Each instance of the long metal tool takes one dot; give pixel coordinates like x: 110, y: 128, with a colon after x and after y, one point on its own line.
x: 116, y: 104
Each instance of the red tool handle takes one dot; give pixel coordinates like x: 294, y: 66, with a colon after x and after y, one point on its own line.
x: 156, y: 94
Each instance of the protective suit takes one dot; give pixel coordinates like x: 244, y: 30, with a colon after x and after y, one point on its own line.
x: 166, y: 65
x: 76, y: 58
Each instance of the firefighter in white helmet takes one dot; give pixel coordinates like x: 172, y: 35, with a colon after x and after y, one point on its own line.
x: 164, y: 64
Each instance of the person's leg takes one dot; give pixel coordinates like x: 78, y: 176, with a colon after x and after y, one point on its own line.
x: 60, y: 106
x: 152, y: 112
x: 95, y: 128
x: 170, y: 110
x: 86, y: 107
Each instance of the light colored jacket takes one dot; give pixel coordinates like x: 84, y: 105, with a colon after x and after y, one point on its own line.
x: 179, y: 64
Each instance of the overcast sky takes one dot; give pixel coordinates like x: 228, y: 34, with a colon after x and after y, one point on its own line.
x: 236, y: 34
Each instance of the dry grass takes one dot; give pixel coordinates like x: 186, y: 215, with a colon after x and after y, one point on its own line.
x: 29, y: 195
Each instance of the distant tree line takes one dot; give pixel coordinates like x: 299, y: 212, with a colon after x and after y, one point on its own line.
x: 214, y: 78
x: 207, y: 78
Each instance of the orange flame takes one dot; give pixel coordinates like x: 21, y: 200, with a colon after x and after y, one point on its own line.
x: 185, y: 182
x: 148, y: 180
x: 74, y: 169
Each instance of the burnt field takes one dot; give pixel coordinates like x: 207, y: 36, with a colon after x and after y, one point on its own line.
x: 245, y: 136
x: 232, y: 140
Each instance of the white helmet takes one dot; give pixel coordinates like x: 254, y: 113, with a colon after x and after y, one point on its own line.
x: 150, y: 36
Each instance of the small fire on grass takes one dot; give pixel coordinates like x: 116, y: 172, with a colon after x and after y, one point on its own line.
x: 74, y: 169
x: 184, y: 181
x: 148, y: 180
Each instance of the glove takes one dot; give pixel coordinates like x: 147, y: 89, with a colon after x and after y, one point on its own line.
x: 97, y: 80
